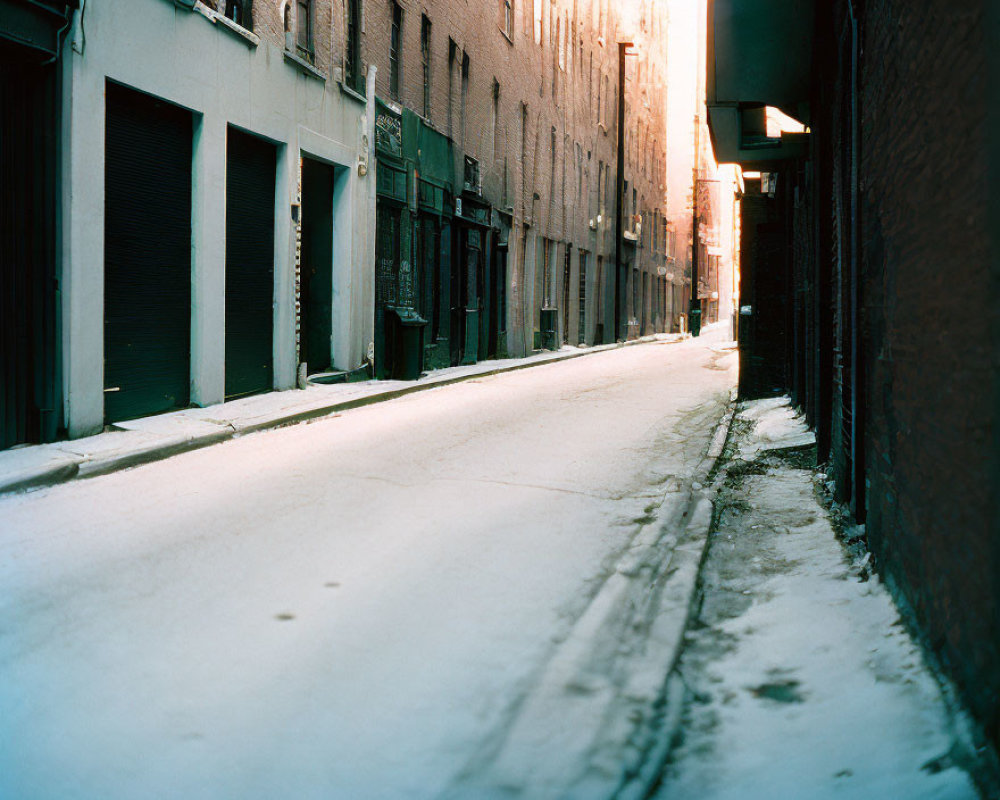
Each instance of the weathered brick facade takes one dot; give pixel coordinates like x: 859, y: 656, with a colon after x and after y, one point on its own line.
x: 540, y: 119
x: 927, y: 318
x: 894, y: 317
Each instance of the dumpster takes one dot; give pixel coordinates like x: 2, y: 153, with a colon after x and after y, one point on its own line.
x: 406, y: 343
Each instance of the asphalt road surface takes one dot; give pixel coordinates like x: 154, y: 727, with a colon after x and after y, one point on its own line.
x: 351, y: 608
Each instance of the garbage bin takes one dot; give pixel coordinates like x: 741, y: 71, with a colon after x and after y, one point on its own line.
x: 406, y: 343
x: 695, y: 320
x: 549, y: 323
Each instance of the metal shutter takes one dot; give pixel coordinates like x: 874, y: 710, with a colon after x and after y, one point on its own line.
x: 147, y: 255
x: 250, y: 177
x: 316, y: 300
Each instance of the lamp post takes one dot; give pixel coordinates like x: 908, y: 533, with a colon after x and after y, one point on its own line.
x: 620, y: 189
x: 694, y: 314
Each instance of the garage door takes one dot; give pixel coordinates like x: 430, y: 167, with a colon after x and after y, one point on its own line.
x: 147, y: 255
x: 250, y: 175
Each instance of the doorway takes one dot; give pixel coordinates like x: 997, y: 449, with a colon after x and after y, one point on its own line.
x: 316, y: 266
x: 147, y: 255
x: 250, y: 180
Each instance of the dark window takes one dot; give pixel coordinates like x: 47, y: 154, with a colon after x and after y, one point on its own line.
x: 524, y: 149
x: 395, y: 45
x: 239, y: 12
x: 452, y: 55
x: 425, y: 58
x: 552, y: 166
x: 496, y: 118
x: 465, y: 93
x: 507, y: 17
x: 352, y: 66
x: 471, y: 174
x: 303, y: 29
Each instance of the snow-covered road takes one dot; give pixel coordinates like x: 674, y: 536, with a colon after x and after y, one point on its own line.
x: 352, y: 608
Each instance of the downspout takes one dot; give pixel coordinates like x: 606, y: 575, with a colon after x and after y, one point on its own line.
x: 857, y: 429
x: 368, y: 146
x: 620, y: 191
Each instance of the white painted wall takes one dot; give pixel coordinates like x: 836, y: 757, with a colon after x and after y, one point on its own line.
x: 185, y: 58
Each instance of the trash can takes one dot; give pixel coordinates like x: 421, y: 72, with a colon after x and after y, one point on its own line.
x: 406, y: 343
x: 695, y: 320
x: 549, y: 322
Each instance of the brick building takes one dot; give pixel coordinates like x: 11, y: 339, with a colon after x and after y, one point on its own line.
x: 869, y: 264
x: 521, y: 97
x: 242, y: 200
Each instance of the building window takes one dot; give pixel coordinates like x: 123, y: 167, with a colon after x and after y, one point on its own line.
x: 496, y: 118
x: 465, y: 95
x: 352, y: 65
x: 303, y: 29
x: 507, y: 18
x: 395, y: 37
x: 452, y: 56
x: 552, y: 166
x: 425, y: 59
x: 239, y: 12
x: 524, y: 149
x: 600, y: 187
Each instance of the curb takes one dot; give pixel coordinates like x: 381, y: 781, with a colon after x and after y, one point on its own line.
x: 63, y: 465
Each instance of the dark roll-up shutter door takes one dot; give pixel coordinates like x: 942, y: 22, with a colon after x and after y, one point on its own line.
x: 28, y: 406
x: 316, y: 260
x: 250, y: 176
x: 147, y: 255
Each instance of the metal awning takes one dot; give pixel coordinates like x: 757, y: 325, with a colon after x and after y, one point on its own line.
x: 36, y: 24
x: 759, y: 54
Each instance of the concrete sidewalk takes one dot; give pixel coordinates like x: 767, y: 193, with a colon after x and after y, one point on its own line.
x: 798, y: 678
x: 139, y: 441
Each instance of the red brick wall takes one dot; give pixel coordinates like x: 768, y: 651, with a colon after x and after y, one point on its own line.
x: 929, y: 318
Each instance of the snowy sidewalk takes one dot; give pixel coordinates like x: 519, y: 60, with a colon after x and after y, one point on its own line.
x: 801, y: 680
x: 139, y: 441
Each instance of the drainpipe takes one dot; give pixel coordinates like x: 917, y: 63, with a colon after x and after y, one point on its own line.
x: 857, y: 412
x: 620, y: 189
x: 368, y: 275
x: 694, y: 315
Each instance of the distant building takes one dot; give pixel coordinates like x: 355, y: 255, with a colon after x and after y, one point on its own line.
x: 497, y: 223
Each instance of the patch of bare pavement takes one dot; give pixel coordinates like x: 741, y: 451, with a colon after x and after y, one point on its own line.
x: 798, y: 676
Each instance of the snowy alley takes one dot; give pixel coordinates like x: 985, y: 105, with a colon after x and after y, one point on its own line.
x: 372, y: 605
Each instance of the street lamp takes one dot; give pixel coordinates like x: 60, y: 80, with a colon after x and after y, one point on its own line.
x: 620, y: 193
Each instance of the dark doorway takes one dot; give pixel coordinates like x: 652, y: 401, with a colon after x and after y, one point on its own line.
x: 147, y: 255
x: 582, y: 299
x: 29, y: 408
x: 599, y: 301
x: 565, y: 291
x: 387, y: 243
x: 316, y: 266
x: 498, y: 306
x: 467, y: 308
x: 250, y: 177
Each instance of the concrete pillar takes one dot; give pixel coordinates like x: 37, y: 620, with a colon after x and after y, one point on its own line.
x: 208, y: 261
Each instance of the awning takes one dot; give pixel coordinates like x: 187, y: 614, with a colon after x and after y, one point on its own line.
x: 35, y: 23
x: 759, y: 54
